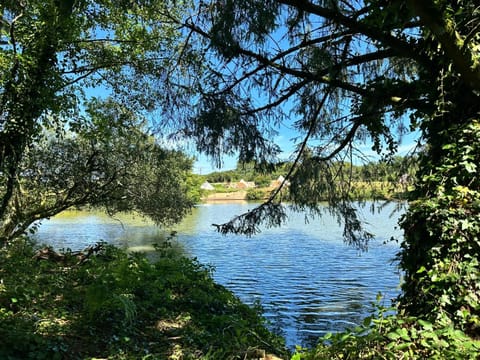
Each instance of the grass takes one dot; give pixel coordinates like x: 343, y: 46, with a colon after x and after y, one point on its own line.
x: 119, y: 306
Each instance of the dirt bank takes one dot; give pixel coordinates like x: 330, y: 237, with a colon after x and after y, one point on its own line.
x: 230, y: 196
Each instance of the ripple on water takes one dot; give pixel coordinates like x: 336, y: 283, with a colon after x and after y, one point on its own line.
x: 307, y: 280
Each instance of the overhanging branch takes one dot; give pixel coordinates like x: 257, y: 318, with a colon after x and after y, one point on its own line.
x: 271, y: 212
x: 387, y: 39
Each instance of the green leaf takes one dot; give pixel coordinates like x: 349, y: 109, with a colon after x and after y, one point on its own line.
x: 403, y: 346
x: 393, y: 336
x: 470, y: 167
x: 404, y: 334
x: 367, y: 321
x: 327, y: 336
x: 425, y: 324
x: 421, y: 270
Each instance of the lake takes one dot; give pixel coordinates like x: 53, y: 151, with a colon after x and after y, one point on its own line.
x: 308, y: 281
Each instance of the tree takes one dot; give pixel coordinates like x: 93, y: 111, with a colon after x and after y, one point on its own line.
x: 54, y: 56
x: 348, y: 72
x: 339, y: 72
x: 108, y: 162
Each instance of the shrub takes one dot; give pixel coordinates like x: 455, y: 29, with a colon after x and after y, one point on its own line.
x: 257, y: 194
x: 383, y: 336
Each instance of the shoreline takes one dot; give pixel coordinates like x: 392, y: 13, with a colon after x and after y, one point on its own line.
x: 230, y: 196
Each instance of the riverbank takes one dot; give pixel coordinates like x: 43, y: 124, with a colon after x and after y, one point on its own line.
x: 240, y: 195
x: 225, y: 196
x: 103, y: 303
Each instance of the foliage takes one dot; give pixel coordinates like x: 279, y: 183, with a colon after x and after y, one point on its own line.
x: 221, y: 176
x: 249, y: 172
x: 121, y: 306
x: 340, y: 75
x: 54, y: 58
x: 257, y: 194
x: 386, y: 336
x: 390, y: 170
x: 193, y: 183
x: 29, y: 80
x: 106, y: 160
x: 262, y: 180
x: 269, y: 213
x: 222, y: 188
x: 332, y: 90
x: 351, y: 73
x: 441, y: 251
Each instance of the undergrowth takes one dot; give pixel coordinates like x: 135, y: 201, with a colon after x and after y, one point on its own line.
x: 120, y: 306
x: 389, y: 334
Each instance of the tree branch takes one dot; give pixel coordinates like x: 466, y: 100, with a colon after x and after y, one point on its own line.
x: 356, y: 124
x: 293, y: 89
x: 402, y: 47
x: 281, y: 55
x: 247, y: 223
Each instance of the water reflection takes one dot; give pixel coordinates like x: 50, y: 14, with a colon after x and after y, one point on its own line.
x: 307, y: 280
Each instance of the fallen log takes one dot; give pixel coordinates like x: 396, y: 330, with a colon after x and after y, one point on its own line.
x: 49, y: 254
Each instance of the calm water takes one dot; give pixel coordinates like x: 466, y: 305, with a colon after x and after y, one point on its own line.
x: 307, y: 280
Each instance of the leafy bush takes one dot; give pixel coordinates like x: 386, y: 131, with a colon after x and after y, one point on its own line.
x: 441, y: 251
x: 383, y: 336
x: 257, y: 194
x: 262, y: 180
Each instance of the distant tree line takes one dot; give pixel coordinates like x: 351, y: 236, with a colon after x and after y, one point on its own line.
x: 396, y: 169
